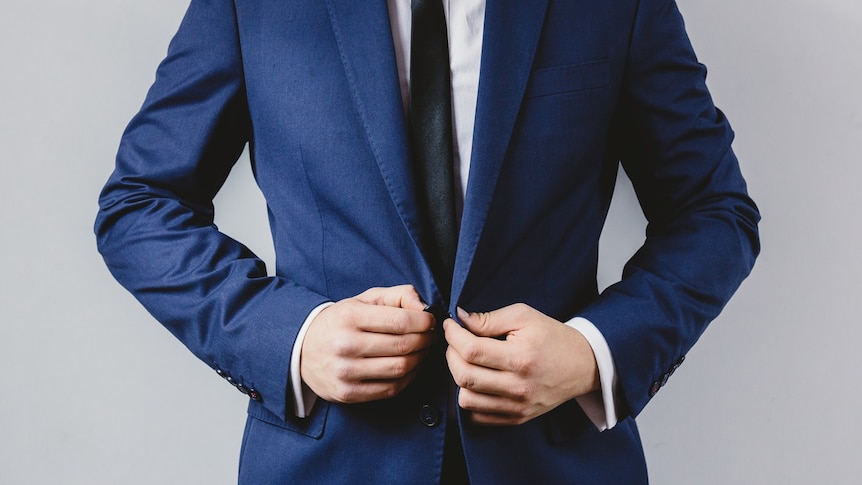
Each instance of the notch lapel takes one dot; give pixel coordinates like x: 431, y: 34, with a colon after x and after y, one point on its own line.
x: 512, y: 30
x: 364, y: 37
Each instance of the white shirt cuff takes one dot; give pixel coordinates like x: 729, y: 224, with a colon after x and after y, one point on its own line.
x: 303, y: 397
x: 599, y: 406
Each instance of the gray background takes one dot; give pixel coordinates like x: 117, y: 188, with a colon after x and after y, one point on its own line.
x: 95, y: 391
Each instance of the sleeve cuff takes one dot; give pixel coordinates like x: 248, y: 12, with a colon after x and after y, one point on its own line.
x: 599, y: 406
x: 303, y: 397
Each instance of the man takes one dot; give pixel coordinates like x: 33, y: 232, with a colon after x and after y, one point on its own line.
x: 354, y: 368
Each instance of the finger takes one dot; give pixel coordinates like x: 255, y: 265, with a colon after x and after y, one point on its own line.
x: 482, y: 351
x: 495, y: 323
x: 490, y: 419
x: 369, y: 344
x: 373, y: 390
x: 477, y: 402
x: 398, y: 321
x: 403, y: 296
x: 483, y: 379
x: 378, y: 368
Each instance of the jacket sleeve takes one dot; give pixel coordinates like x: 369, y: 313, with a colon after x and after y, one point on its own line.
x: 155, y: 224
x: 701, y: 238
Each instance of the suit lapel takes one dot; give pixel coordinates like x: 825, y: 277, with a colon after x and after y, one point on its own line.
x: 512, y: 29
x: 364, y: 37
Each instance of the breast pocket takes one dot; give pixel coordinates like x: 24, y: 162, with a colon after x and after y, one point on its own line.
x: 569, y: 79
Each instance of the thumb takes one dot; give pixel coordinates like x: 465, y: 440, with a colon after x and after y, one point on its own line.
x: 493, y: 324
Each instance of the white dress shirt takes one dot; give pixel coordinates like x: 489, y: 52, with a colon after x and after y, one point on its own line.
x: 466, y: 21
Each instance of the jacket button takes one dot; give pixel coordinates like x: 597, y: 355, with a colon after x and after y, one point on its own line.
x: 241, y: 388
x: 230, y: 380
x: 221, y: 373
x: 429, y: 416
x: 438, y: 312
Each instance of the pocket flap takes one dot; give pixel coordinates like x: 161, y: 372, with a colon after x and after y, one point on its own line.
x: 566, y: 79
x: 310, y: 426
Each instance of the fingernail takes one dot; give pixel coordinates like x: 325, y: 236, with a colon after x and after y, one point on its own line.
x: 462, y: 314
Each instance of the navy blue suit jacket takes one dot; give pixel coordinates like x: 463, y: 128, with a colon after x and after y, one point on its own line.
x: 568, y: 90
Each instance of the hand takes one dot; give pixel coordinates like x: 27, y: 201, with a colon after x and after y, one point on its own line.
x: 367, y: 347
x: 541, y: 364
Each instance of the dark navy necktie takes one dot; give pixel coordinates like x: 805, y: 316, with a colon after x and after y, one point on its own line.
x: 431, y: 136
